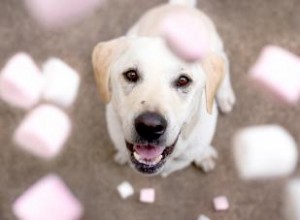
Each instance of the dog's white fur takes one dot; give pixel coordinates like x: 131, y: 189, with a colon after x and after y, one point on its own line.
x: 185, y: 109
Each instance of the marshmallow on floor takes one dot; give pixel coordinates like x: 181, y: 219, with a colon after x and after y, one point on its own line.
x: 61, y: 82
x: 125, y: 190
x: 278, y: 71
x: 292, y: 200
x: 221, y: 203
x: 264, y: 151
x: 55, y: 14
x: 147, y: 195
x: 43, y: 131
x: 48, y: 199
x: 203, y: 217
x: 186, y: 35
x: 21, y: 82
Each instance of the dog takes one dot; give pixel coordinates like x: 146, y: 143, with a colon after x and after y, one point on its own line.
x: 161, y: 111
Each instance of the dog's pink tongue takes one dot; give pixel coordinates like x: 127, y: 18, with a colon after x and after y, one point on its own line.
x: 148, y: 151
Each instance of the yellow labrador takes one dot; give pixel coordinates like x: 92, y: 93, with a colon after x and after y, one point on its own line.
x: 161, y: 112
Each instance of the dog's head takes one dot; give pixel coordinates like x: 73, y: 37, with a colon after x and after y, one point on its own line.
x: 153, y: 93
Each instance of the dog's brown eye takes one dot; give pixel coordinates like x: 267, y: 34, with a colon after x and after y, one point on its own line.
x: 131, y: 75
x: 183, y: 81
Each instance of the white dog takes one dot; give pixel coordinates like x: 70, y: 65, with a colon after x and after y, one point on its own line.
x: 161, y: 112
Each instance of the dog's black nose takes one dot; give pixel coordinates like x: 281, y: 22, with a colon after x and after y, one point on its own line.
x: 150, y: 126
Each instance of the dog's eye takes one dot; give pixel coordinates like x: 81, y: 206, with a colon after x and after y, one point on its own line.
x: 131, y: 75
x: 183, y: 81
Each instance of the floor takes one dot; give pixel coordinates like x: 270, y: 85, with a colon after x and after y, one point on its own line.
x: 86, y: 164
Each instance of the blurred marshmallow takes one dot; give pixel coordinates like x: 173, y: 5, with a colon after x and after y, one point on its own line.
x: 264, y: 151
x: 292, y: 200
x: 203, y: 217
x: 43, y: 131
x: 221, y: 203
x: 278, y: 71
x: 125, y: 190
x: 147, y: 195
x: 21, y: 82
x: 186, y: 35
x: 61, y: 82
x: 55, y: 14
x: 48, y: 199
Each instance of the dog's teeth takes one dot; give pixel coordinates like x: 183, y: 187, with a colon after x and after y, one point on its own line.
x: 136, y: 156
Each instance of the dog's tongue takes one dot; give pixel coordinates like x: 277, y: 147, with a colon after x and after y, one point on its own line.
x: 148, y: 151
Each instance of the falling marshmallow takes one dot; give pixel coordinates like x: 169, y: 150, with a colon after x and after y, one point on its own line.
x: 43, y: 131
x: 48, y: 199
x: 56, y: 14
x: 292, y: 200
x: 278, y: 71
x: 221, y: 203
x: 21, y: 82
x: 147, y: 195
x: 203, y: 217
x: 61, y: 82
x: 264, y: 151
x: 186, y: 35
x: 125, y: 190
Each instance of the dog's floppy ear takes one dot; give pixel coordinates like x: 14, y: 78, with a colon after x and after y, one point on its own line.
x: 214, y: 68
x: 103, y: 55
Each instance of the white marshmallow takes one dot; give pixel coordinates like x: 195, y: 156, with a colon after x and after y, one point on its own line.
x: 264, y: 151
x: 21, y: 82
x: 278, y: 72
x: 43, y: 131
x: 48, y: 199
x: 203, y: 217
x: 221, y: 203
x: 61, y: 82
x: 147, y: 195
x: 125, y: 190
x: 55, y: 14
x: 292, y: 200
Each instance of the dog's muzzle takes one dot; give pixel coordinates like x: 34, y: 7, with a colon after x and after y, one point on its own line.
x: 147, y: 154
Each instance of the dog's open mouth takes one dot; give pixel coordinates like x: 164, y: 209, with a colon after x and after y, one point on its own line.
x: 149, y: 158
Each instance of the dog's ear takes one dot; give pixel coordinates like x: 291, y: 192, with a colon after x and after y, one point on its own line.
x: 103, y: 55
x: 214, y: 68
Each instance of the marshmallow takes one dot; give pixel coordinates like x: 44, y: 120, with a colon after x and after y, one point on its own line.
x: 278, y: 71
x: 21, y: 82
x: 292, y: 200
x: 43, y: 131
x: 203, y: 217
x: 57, y: 13
x: 186, y: 35
x: 147, y: 195
x: 61, y: 82
x: 125, y: 190
x: 264, y: 151
x: 221, y: 203
x: 48, y: 199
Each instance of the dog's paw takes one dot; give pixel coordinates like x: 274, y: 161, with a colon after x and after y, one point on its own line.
x: 207, y: 161
x: 121, y: 158
x: 226, y: 100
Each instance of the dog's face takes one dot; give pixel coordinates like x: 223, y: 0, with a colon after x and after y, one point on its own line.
x: 153, y: 92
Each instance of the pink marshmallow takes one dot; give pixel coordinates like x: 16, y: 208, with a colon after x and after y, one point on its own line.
x: 278, y: 71
x: 48, y: 199
x: 147, y: 195
x: 21, y: 82
x: 43, y: 131
x: 186, y: 35
x: 60, y: 13
x: 221, y: 203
